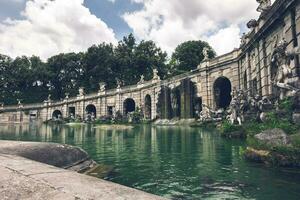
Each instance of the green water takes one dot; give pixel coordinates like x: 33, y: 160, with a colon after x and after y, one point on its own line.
x: 174, y: 162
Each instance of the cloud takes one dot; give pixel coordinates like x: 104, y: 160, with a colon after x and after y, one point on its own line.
x: 172, y: 22
x: 49, y: 27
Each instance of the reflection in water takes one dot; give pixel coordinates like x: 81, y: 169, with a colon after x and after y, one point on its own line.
x: 175, y: 162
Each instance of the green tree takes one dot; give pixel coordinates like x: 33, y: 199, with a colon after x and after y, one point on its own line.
x: 99, y: 66
x: 188, y: 55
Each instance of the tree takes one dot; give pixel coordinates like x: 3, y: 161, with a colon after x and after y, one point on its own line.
x: 99, y: 65
x: 188, y: 56
x: 65, y: 73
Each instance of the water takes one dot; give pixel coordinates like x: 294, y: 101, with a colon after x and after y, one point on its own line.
x: 174, y: 162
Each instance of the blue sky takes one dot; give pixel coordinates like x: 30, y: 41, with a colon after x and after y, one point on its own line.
x: 48, y: 27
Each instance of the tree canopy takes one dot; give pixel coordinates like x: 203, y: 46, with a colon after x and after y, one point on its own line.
x: 188, y: 55
x: 31, y: 80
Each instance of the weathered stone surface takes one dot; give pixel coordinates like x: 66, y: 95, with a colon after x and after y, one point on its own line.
x: 274, y: 137
x: 17, y: 181
x: 296, y: 118
x: 63, y: 156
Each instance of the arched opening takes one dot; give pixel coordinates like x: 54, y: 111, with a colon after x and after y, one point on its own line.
x: 175, y: 102
x: 148, y: 107
x: 222, y: 92
x: 57, y: 114
x: 91, y: 110
x: 129, y: 106
x: 245, y: 81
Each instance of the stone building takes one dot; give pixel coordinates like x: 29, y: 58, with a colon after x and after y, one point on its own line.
x: 249, y: 68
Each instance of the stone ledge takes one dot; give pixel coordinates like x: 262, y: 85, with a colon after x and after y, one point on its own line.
x: 26, y: 179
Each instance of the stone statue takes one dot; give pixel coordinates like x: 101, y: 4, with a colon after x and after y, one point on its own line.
x: 119, y: 83
x: 252, y: 24
x: 244, y: 39
x: 264, y: 5
x: 205, y: 53
x: 281, y: 60
x: 155, y: 75
x: 205, y: 114
x: 81, y: 92
x: 142, y: 80
x: 67, y: 95
x: 235, y: 112
x: 49, y: 98
x: 102, y: 87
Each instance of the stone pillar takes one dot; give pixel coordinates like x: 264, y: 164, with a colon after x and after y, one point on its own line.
x: 186, y: 101
x: 165, y: 103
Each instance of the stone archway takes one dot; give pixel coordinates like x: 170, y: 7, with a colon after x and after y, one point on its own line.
x: 128, y: 106
x: 91, y: 110
x: 148, y: 107
x: 57, y: 114
x: 222, y: 92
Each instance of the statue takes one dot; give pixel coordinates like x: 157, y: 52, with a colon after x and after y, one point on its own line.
x: 205, y: 53
x: 155, y: 75
x: 67, y: 95
x: 235, y: 111
x: 142, y: 81
x: 244, y: 39
x: 102, y: 87
x: 81, y: 92
x: 119, y: 83
x: 49, y: 98
x: 281, y: 60
x: 264, y: 5
x: 252, y: 24
x: 205, y: 114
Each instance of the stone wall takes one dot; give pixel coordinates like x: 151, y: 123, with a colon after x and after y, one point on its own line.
x: 247, y: 68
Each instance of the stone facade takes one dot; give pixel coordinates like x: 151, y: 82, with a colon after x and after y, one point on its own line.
x: 248, y: 68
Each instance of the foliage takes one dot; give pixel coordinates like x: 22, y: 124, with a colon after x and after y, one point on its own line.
x: 188, y: 56
x: 273, y: 120
x: 137, y: 115
x: 286, y: 104
x: 32, y: 80
x: 227, y: 127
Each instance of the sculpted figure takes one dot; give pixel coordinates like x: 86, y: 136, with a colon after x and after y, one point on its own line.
x: 119, y: 83
x: 264, y: 5
x: 235, y: 112
x: 102, y: 87
x: 281, y: 60
x: 205, y: 114
x: 155, y: 75
x: 142, y: 80
x: 205, y: 53
x: 81, y: 92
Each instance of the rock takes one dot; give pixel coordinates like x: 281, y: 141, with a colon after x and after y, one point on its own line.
x: 274, y: 137
x: 296, y: 118
x: 254, y: 155
x: 58, y: 155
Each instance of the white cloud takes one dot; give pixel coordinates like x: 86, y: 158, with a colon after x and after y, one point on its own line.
x: 174, y: 21
x: 53, y: 26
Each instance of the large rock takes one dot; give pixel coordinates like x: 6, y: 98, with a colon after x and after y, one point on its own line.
x: 58, y: 155
x: 274, y: 137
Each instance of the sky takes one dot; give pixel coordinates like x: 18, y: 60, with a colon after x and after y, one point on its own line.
x: 48, y: 27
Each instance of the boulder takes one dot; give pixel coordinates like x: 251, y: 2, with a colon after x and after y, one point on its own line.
x: 274, y: 137
x: 58, y: 155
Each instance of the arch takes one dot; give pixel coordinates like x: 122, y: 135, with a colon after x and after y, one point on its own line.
x: 129, y: 106
x: 222, y: 92
x: 148, y: 107
x: 91, y: 110
x: 57, y: 114
x: 245, y: 81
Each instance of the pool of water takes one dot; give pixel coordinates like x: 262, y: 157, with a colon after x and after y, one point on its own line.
x: 174, y: 162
